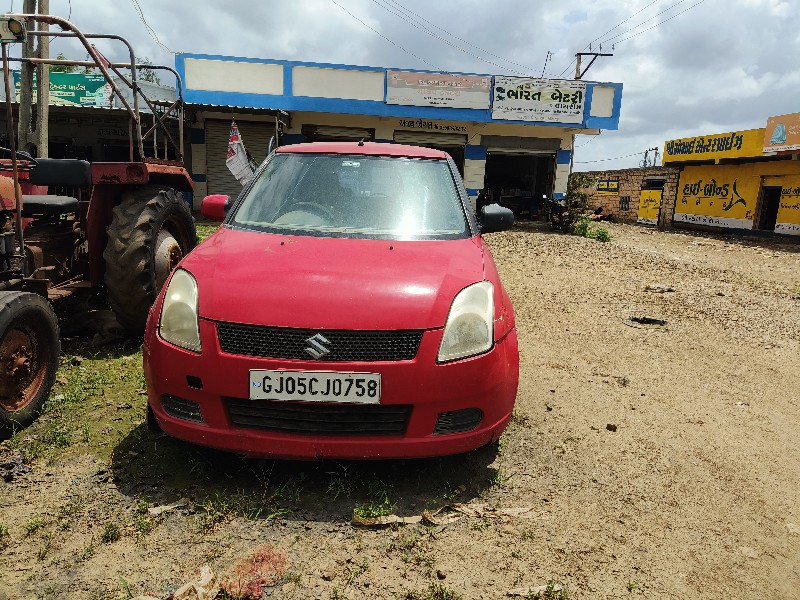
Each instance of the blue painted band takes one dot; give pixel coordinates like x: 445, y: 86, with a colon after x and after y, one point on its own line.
x: 473, y: 192
x: 559, y: 195
x: 473, y: 152
x: 292, y: 138
x: 563, y: 157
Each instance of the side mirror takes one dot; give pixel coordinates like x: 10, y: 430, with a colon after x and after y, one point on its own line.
x: 215, y: 206
x: 496, y: 218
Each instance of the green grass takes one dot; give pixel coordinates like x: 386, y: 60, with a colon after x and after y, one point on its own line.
x: 435, y: 591
x: 379, y: 505
x: 111, y: 533
x: 205, y: 229
x: 33, y: 525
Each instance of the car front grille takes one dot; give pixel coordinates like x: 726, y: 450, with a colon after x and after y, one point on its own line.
x: 180, y: 408
x: 319, y: 419
x: 310, y: 344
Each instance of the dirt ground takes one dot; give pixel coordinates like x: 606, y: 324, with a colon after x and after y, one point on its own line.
x: 644, y: 460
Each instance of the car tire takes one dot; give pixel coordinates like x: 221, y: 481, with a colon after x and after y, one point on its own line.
x: 29, y: 350
x: 152, y: 229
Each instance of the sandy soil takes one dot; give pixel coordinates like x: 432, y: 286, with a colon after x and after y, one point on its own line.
x: 656, y: 461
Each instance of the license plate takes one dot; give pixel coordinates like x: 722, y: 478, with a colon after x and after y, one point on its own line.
x: 315, y: 386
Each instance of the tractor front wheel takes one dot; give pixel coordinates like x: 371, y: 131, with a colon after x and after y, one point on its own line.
x: 152, y: 229
x: 29, y: 349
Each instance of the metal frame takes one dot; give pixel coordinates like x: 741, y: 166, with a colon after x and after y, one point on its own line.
x: 71, y: 31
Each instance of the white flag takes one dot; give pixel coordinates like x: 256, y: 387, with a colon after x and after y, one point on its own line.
x: 238, y: 163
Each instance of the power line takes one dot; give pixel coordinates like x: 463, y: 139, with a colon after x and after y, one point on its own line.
x: 393, y: 43
x: 586, y: 162
x: 602, y: 37
x: 660, y: 22
x: 418, y: 22
x: 150, y: 30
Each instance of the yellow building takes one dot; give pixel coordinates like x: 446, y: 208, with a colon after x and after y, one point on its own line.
x: 737, y: 180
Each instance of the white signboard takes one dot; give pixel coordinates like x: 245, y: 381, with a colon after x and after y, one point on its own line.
x: 437, y: 89
x: 528, y: 99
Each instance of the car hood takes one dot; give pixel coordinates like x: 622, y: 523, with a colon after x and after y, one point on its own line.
x: 331, y: 283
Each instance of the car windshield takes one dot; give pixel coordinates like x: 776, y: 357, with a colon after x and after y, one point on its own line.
x: 354, y: 196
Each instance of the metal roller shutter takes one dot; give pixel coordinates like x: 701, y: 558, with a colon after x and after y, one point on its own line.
x: 424, y: 138
x: 326, y: 133
x: 256, y: 138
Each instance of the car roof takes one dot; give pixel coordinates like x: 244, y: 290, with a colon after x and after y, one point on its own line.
x: 366, y: 148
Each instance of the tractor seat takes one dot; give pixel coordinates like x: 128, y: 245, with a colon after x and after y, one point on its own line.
x: 61, y: 171
x: 48, y: 206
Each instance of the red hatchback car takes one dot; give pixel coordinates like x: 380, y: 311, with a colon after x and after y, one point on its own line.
x: 346, y: 308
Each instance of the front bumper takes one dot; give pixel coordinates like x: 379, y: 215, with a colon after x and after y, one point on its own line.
x: 487, y: 382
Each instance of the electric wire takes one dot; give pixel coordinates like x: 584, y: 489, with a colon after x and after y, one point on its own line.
x: 586, y: 162
x: 659, y: 23
x: 602, y: 39
x: 419, y: 20
x: 392, y: 42
x: 150, y: 30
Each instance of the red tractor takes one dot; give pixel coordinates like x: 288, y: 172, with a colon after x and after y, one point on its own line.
x: 68, y: 224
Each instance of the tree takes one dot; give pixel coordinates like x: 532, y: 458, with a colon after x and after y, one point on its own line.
x: 147, y: 74
x: 62, y: 68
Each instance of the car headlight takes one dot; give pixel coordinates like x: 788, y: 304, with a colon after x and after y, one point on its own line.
x: 470, y: 325
x: 179, y: 323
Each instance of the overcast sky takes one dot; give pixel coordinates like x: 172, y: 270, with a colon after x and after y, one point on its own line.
x: 698, y: 67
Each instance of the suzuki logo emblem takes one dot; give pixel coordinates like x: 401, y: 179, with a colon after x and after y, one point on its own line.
x: 316, y: 346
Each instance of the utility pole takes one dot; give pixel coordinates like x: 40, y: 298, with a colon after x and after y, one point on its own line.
x: 579, y: 55
x: 34, y: 126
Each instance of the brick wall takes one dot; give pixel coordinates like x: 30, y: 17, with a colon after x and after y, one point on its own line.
x: 630, y: 184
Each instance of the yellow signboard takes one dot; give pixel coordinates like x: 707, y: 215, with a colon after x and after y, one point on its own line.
x: 649, y: 206
x: 721, y: 196
x: 737, y: 144
x: 782, y: 133
x: 788, y: 221
x: 607, y: 187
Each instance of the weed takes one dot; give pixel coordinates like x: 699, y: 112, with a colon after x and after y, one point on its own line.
x: 337, y: 594
x: 217, y: 510
x: 205, y: 229
x: 141, y: 506
x: 631, y: 586
x: 111, y: 533
x: 47, y: 545
x: 126, y: 587
x: 143, y: 525
x: 3, y: 531
x: 57, y: 435
x: 353, y: 572
x: 601, y: 234
x: 294, y: 577
x: 583, y: 227
x: 87, y: 552
x: 33, y: 525
x: 436, y: 591
x: 553, y: 591
x: 380, y: 505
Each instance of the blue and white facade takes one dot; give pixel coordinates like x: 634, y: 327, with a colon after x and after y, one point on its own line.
x: 477, y: 118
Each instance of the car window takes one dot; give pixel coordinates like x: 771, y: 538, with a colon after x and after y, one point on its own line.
x: 354, y: 196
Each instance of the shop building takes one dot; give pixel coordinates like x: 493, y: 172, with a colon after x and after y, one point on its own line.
x: 741, y: 180
x: 510, y: 135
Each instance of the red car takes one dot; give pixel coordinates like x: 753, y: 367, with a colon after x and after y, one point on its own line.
x: 346, y: 308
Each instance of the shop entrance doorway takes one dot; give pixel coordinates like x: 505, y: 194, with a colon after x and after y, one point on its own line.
x: 768, y: 207
x: 519, y: 181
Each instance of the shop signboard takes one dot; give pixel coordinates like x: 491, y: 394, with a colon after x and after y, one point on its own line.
x: 438, y: 89
x: 788, y: 221
x: 782, y: 133
x: 73, y: 89
x: 649, y: 206
x: 546, y: 100
x: 720, y: 196
x: 607, y: 187
x: 735, y: 144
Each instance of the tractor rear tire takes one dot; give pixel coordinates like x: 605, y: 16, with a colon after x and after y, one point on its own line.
x: 29, y: 349
x: 152, y: 229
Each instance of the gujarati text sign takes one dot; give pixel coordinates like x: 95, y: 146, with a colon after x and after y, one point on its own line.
x: 735, y: 144
x: 437, y: 89
x: 548, y: 100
